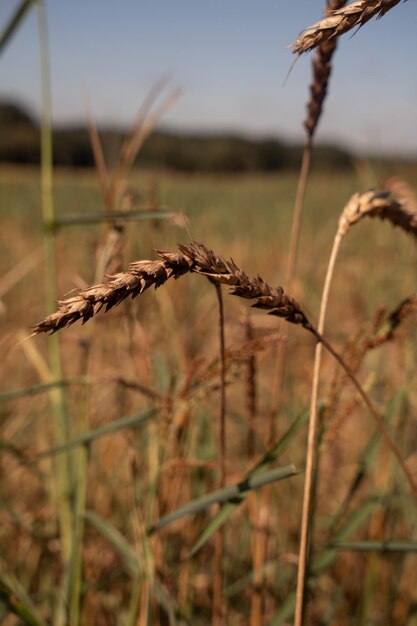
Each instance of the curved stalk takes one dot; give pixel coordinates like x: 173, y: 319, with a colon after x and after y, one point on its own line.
x: 311, y: 458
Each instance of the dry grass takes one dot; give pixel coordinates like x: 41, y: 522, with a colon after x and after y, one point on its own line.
x: 176, y: 458
x: 195, y: 257
x: 141, y: 557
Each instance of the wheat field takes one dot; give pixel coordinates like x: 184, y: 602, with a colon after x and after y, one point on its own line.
x: 173, y: 455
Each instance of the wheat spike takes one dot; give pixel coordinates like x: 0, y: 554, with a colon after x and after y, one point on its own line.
x: 141, y: 275
x: 340, y: 22
x: 378, y: 204
x: 401, y: 190
x: 322, y: 67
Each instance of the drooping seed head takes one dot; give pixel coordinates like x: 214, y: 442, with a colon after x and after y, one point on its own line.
x: 381, y: 205
x: 341, y: 21
x: 193, y: 257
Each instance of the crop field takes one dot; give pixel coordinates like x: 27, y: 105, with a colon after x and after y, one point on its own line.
x: 142, y: 388
x: 208, y: 380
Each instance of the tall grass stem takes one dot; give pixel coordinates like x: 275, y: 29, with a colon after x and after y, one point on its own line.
x: 56, y: 394
x: 218, y: 604
x: 311, y: 458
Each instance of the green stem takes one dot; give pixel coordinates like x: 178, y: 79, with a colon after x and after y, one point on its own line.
x: 56, y: 396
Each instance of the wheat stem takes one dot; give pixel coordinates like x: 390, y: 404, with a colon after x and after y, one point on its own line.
x: 218, y: 605
x: 311, y: 458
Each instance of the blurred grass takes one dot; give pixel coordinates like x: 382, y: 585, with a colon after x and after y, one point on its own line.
x: 166, y: 342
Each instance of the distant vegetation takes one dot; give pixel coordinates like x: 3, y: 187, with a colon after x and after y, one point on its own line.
x: 19, y: 131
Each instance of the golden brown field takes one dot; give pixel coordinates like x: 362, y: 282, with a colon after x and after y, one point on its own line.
x: 190, y: 458
x: 155, y: 361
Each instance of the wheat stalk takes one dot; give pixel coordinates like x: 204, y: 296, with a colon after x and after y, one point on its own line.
x: 340, y: 22
x: 218, y: 606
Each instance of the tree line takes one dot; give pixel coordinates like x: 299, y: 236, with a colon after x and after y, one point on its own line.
x: 20, y: 144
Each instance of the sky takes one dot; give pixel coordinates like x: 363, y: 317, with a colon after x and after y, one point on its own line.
x: 231, y: 59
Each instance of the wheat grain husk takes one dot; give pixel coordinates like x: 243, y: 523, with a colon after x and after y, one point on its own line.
x: 341, y: 21
x: 381, y: 205
x: 193, y: 257
x: 322, y: 67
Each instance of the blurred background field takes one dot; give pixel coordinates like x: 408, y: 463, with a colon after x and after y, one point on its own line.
x: 165, y: 344
x: 247, y: 217
x: 108, y: 428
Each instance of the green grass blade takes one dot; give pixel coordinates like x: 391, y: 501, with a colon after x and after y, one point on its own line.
x: 325, y: 559
x: 36, y: 389
x: 131, y: 561
x: 131, y: 421
x: 131, y: 619
x: 274, y: 452
x: 63, y: 478
x: 162, y: 595
x: 218, y: 520
x: 368, y: 456
x: 17, y: 602
x: 375, y: 546
x: 116, y: 539
x: 227, y: 509
x: 224, y: 495
x: 238, y: 586
x: 14, y: 23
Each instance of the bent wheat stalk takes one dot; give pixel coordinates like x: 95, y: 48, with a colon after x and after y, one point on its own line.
x: 340, y: 22
x: 369, y: 204
x: 195, y: 257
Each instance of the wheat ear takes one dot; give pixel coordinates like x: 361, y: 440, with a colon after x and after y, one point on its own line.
x: 403, y: 192
x: 322, y: 67
x: 340, y: 22
x: 141, y: 275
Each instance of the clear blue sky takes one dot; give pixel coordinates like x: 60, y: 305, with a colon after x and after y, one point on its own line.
x: 231, y: 59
